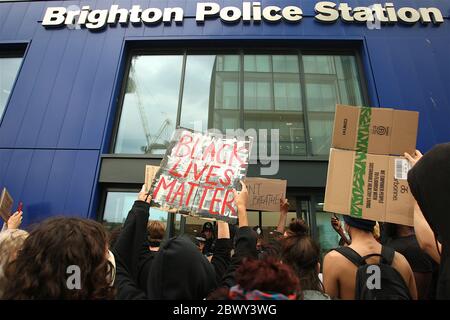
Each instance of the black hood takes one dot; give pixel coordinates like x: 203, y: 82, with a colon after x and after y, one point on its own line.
x: 180, y: 271
x: 429, y: 181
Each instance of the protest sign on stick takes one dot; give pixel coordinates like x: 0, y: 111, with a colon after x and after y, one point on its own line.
x: 6, y: 204
x: 198, y: 174
x: 265, y: 194
x: 150, y: 172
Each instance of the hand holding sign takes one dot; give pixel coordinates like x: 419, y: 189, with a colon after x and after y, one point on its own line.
x: 284, y: 209
x: 15, y: 220
x: 413, y: 158
x: 143, y: 195
x: 284, y: 206
x: 241, y: 200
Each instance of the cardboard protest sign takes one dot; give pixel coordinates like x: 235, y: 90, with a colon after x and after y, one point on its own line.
x: 265, y: 194
x: 198, y: 174
x: 367, y: 176
x: 6, y: 204
x: 369, y: 186
x: 384, y: 130
x: 150, y: 172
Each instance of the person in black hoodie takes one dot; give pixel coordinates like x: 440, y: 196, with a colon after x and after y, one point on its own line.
x: 133, y: 258
x: 180, y: 271
x: 429, y: 181
x: 177, y: 271
x: 245, y: 240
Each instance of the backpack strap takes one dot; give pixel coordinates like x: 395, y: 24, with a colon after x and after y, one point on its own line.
x: 388, y: 255
x: 351, y: 255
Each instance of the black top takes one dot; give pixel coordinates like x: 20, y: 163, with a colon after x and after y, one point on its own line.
x: 410, y: 249
x: 429, y: 181
x: 177, y: 271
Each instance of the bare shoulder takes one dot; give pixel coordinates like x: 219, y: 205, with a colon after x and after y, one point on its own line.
x: 401, y: 264
x: 334, y: 257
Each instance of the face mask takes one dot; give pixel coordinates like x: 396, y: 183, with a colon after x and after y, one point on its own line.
x: 112, y: 264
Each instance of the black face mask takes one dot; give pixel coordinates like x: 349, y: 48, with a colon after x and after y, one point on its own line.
x: 155, y: 244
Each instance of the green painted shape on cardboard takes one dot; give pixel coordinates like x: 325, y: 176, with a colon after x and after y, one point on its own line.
x: 359, y: 169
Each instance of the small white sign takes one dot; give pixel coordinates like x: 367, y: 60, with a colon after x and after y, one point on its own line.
x: 402, y: 167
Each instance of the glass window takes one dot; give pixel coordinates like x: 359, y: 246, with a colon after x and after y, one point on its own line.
x: 196, y: 100
x: 9, y: 67
x: 118, y: 204
x: 272, y: 100
x: 268, y: 91
x: 150, y: 105
x: 270, y: 223
x: 224, y: 112
x: 328, y: 80
x: 328, y: 238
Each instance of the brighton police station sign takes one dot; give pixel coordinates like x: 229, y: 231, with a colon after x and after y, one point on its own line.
x: 249, y: 12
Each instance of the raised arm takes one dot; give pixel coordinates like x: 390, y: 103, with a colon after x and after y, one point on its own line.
x: 134, y: 233
x: 241, y: 200
x: 336, y: 224
x: 424, y: 234
x: 284, y: 209
x: 222, y: 250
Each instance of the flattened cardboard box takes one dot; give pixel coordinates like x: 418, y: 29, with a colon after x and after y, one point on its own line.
x: 6, y: 204
x: 265, y: 194
x: 369, y: 186
x: 375, y: 130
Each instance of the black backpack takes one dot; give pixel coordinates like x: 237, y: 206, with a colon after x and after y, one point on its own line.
x: 392, y: 286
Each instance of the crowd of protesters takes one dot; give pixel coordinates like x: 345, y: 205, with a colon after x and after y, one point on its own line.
x: 135, y: 261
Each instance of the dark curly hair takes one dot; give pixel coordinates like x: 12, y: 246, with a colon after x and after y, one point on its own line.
x: 302, y: 253
x: 267, y: 275
x: 41, y: 268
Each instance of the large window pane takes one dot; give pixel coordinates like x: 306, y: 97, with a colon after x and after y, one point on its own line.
x: 224, y: 113
x: 328, y: 238
x: 272, y: 100
x: 9, y: 68
x: 272, y: 97
x: 198, y: 87
x: 328, y: 80
x: 150, y: 105
x: 118, y: 204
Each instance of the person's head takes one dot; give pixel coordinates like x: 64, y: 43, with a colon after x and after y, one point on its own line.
x: 208, y: 230
x: 114, y: 235
x: 266, y: 279
x: 11, y: 241
x: 393, y: 231
x: 359, y: 226
x: 200, y: 243
x: 259, y: 237
x: 156, y: 231
x: 180, y: 271
x: 429, y: 181
x: 270, y: 249
x: 62, y: 258
x: 302, y: 253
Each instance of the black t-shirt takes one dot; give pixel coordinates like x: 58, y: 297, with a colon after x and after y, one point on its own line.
x: 417, y: 258
x: 209, y: 246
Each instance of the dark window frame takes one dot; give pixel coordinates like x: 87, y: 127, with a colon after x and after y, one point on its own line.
x: 185, y: 48
x: 185, y: 52
x: 12, y: 50
x: 132, y: 188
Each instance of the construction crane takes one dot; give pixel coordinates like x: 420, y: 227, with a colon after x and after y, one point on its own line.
x: 151, y: 141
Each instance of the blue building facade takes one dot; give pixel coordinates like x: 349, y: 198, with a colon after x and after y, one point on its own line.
x: 62, y: 110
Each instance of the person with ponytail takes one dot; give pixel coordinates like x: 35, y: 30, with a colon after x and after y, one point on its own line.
x: 303, y: 255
